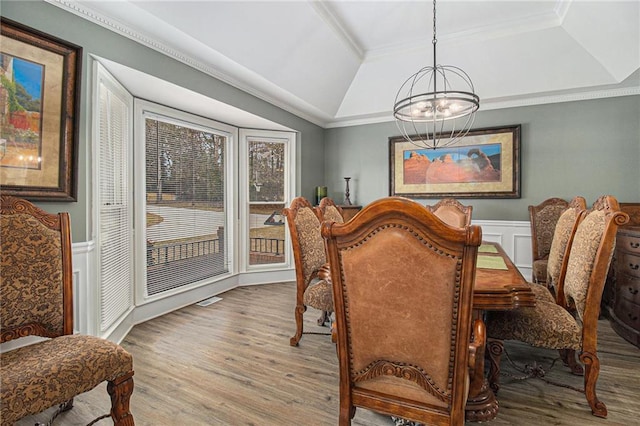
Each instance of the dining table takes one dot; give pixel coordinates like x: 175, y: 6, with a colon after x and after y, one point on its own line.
x: 499, y: 285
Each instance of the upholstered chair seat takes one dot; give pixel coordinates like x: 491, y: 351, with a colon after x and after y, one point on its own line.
x: 319, y: 296
x: 55, y: 362
x: 542, y: 293
x: 546, y: 325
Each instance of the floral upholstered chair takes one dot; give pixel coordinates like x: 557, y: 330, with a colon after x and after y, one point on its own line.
x: 571, y: 324
x: 452, y: 212
x: 313, y: 287
x: 543, y: 218
x: 328, y: 210
x: 563, y: 234
x: 36, y: 299
x: 413, y: 358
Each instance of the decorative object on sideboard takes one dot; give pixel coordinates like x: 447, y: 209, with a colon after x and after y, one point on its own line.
x: 431, y: 97
x: 38, y: 149
x: 320, y: 193
x: 347, y: 200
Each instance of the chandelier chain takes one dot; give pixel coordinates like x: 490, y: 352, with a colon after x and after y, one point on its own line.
x: 435, y: 40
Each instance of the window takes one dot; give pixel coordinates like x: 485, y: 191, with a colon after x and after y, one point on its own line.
x: 266, y: 189
x: 171, y: 196
x: 186, y: 232
x: 114, y: 202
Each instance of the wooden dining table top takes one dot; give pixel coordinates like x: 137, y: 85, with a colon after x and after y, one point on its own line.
x: 499, y: 289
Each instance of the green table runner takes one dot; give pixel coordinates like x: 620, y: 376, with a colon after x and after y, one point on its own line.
x: 487, y: 248
x: 491, y: 262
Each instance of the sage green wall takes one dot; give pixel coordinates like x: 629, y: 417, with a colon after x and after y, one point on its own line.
x: 102, y: 42
x: 586, y: 148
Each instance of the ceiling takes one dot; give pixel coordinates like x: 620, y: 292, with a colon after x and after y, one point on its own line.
x: 338, y: 63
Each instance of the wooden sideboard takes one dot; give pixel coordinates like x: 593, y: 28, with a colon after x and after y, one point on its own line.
x: 349, y: 211
x: 623, y: 292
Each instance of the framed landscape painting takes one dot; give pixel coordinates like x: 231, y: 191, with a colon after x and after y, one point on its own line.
x: 39, y: 106
x: 483, y: 164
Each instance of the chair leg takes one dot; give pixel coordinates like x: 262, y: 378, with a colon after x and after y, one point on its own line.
x: 568, y: 357
x: 346, y: 414
x: 120, y: 390
x: 592, y: 371
x: 324, y: 317
x: 300, y: 309
x: 495, y: 349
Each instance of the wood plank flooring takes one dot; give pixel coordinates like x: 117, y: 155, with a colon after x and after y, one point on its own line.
x: 230, y: 363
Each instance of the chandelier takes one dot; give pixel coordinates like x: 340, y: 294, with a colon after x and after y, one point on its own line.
x: 436, y: 98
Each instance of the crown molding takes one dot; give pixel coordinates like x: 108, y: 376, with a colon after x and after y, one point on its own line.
x: 294, y: 105
x: 503, y: 104
x: 304, y: 111
x: 475, y: 35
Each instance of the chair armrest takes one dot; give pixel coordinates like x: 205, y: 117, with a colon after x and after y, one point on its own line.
x: 477, y: 346
x: 324, y: 272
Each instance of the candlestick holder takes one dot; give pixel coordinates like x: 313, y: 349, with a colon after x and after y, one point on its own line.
x: 347, y: 200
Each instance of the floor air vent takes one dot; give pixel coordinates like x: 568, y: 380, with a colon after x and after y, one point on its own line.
x: 209, y: 301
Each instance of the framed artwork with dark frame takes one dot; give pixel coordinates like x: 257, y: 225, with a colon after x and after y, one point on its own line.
x: 39, y: 106
x: 483, y: 164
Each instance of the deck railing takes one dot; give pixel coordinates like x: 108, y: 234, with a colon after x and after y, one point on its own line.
x: 164, y: 253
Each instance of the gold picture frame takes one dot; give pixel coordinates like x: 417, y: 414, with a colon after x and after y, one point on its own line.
x: 483, y: 164
x: 39, y: 107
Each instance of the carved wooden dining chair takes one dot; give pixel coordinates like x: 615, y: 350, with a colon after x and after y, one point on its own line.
x: 36, y: 300
x: 569, y: 324
x: 563, y: 234
x: 452, y: 212
x: 412, y: 358
x: 328, y: 210
x: 543, y: 218
x: 312, y: 275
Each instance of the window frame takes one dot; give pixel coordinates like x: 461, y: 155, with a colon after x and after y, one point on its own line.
x: 142, y: 110
x: 290, y: 140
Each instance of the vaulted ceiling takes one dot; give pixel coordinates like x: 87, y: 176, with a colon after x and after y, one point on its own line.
x: 338, y: 63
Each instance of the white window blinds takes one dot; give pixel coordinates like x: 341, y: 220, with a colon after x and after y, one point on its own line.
x: 115, y: 230
x: 185, y: 203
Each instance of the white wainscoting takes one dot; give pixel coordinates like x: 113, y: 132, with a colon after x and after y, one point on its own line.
x: 513, y: 236
x: 515, y: 239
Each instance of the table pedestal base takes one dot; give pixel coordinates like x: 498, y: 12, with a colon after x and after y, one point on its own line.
x: 483, y: 406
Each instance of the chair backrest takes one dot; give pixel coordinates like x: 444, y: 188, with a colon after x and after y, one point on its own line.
x: 308, y: 245
x: 588, y: 263
x: 452, y: 212
x: 563, y: 233
x: 35, y: 262
x: 403, y: 287
x: 543, y: 219
x: 328, y: 210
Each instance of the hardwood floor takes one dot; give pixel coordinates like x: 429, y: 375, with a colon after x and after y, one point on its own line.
x: 230, y: 363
